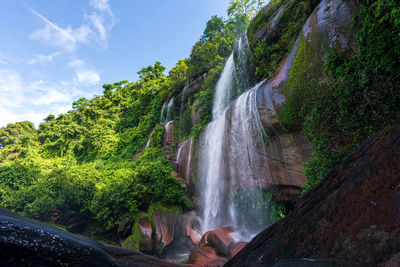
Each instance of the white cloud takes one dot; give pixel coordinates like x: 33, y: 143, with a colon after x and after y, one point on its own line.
x: 11, y: 89
x: 75, y: 63
x: 8, y: 116
x: 52, y: 96
x: 20, y: 101
x: 3, y: 59
x: 96, y: 28
x: 43, y: 59
x: 101, y: 5
x: 54, y: 35
x: 87, y: 77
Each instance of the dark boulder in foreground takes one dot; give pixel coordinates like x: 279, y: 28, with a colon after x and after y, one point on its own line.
x: 26, y: 242
x: 354, y: 213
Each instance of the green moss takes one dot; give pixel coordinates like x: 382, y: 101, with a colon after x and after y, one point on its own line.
x: 302, y: 87
x: 134, y: 240
x: 157, y: 136
x: 185, y: 123
x: 276, y: 45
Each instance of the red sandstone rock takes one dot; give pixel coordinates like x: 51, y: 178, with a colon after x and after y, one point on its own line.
x: 189, y: 222
x: 329, y: 25
x: 205, y: 256
x: 167, y: 226
x: 354, y: 213
x: 169, y: 133
x: 146, y: 243
x: 235, y: 248
x: 184, y: 161
x: 220, y: 239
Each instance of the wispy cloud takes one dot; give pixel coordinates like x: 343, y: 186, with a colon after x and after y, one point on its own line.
x: 101, y: 5
x: 83, y: 75
x: 65, y: 38
x: 87, y: 77
x: 43, y: 59
x: 3, y: 59
x: 11, y: 88
x: 76, y: 63
x: 96, y: 28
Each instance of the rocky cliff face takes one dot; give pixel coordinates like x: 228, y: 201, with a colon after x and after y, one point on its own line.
x: 353, y: 213
x: 328, y: 25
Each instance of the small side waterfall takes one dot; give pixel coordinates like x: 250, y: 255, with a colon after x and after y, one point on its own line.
x: 170, y: 111
x: 184, y: 160
x: 232, y: 159
x: 163, y: 116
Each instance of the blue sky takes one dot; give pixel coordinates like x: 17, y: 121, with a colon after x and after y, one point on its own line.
x: 54, y: 52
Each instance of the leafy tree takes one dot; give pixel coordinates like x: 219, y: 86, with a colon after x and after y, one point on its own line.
x: 178, y: 75
x: 244, y: 8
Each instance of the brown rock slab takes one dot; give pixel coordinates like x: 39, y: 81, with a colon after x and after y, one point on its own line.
x: 354, y: 213
x: 220, y: 239
x: 146, y: 243
x: 167, y: 226
x: 190, y: 219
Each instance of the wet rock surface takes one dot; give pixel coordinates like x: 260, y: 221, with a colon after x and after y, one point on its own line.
x: 215, y: 248
x: 354, y: 213
x: 26, y: 242
x: 220, y: 239
x: 146, y: 230
x: 167, y: 227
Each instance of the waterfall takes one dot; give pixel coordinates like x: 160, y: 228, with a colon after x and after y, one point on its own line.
x: 184, y: 160
x: 233, y: 162
x: 222, y: 95
x: 210, y: 157
x: 162, y: 117
x: 170, y: 110
x: 247, y: 164
x: 169, y: 134
x: 148, y: 143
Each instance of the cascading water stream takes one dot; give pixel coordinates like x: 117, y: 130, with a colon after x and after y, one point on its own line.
x: 232, y: 160
x: 162, y: 117
x: 211, y: 148
x: 170, y: 110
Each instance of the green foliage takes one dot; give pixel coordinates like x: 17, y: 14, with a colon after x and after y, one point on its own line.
x: 277, y: 43
x: 16, y: 175
x: 178, y: 75
x: 244, y: 8
x: 277, y: 210
x: 215, y: 45
x: 206, y: 94
x: 148, y: 182
x: 196, y: 130
x: 56, y: 197
x: 19, y: 132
